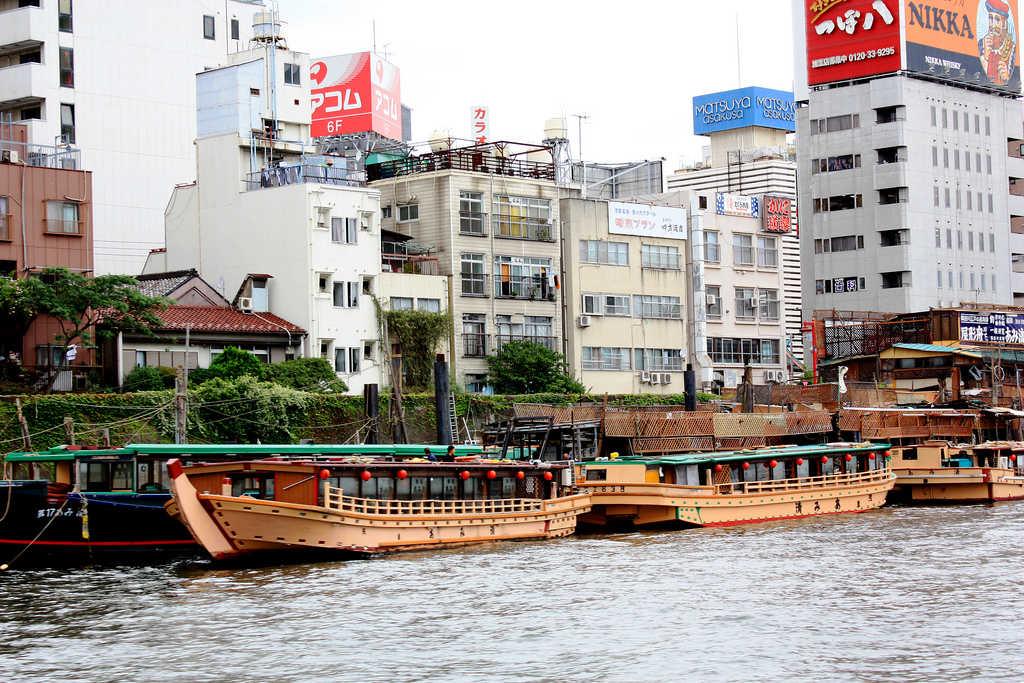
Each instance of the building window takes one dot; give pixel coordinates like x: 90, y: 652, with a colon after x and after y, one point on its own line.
x: 429, y: 305
x: 956, y: 159
x: 711, y: 250
x: 992, y: 245
x: 339, y: 360
x: 522, y: 277
x: 385, y: 212
x: 988, y: 164
x: 949, y: 238
x: 615, y: 304
x: 474, y: 338
x: 935, y: 156
x: 31, y: 113
x: 659, y: 360
x: 843, y: 162
x: 838, y: 203
x: 234, y: 29
x: 5, y: 226
x: 473, y: 277
x: 897, y: 279
x: 471, y: 213
x: 67, y: 67
x: 353, y: 360
x: 988, y: 126
x: 605, y: 358
x: 935, y: 192
x: 522, y: 218
x: 970, y: 243
x: 835, y: 123
x: 990, y: 203
x: 945, y: 119
x: 938, y: 237
x: 67, y: 123
x: 353, y: 294
x: 208, y: 27
x: 767, y: 252
x: 340, y: 293
x: 653, y: 306
x: 714, y: 301
x: 947, y: 197
x: 608, y: 253
x: 344, y: 230
x: 933, y: 116
x: 291, y: 74
x: 655, y: 256
x: 62, y: 218
x: 967, y: 161
x: 746, y: 303
x: 64, y: 22
x: 743, y: 250
x: 408, y: 212
x: 967, y: 196
x: 592, y: 304
x: 945, y: 157
x: 740, y: 351
x: 769, y: 305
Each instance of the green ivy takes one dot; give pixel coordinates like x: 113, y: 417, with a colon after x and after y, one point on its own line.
x: 420, y: 333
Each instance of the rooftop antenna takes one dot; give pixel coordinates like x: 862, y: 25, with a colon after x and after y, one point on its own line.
x: 580, y: 118
x: 373, y: 23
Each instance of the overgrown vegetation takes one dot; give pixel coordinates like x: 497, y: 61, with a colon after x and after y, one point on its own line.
x: 419, y: 333
x: 525, y: 367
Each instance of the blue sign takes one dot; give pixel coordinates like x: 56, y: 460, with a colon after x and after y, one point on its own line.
x: 995, y: 328
x: 744, y: 107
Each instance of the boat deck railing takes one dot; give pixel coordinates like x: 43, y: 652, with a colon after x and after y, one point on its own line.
x: 334, y: 499
x: 805, y: 483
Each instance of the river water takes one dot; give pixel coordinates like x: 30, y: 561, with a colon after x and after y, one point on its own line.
x: 899, y: 594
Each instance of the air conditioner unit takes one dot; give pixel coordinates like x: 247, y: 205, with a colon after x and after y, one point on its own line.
x: 583, y: 321
x: 666, y: 378
x: 769, y: 375
x: 8, y: 156
x: 750, y: 303
x: 245, y: 304
x: 655, y: 378
x: 645, y: 377
x: 712, y: 299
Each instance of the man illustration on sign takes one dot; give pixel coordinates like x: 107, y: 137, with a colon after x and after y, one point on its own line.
x: 998, y: 48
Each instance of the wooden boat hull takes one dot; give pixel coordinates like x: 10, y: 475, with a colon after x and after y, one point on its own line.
x: 74, y: 526
x: 959, y: 485
x: 231, y: 527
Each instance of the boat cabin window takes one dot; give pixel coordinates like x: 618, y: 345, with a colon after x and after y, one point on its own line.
x: 909, y: 454
x: 803, y: 470
x: 257, y: 486
x: 597, y: 475
x: 152, y: 477
x: 105, y: 476
x: 828, y: 467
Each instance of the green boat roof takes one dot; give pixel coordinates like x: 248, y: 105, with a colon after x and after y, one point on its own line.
x: 766, y: 453
x: 243, y: 451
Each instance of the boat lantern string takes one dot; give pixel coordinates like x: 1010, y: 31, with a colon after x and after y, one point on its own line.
x: 799, y: 461
x: 718, y: 467
x: 888, y: 455
x: 746, y: 465
x: 824, y: 459
x: 324, y: 474
x: 519, y: 474
x: 402, y: 474
x: 464, y: 474
x: 871, y: 456
x: 1013, y: 458
x: 847, y: 457
x: 366, y: 475
x: 773, y: 463
x: 548, y: 476
x: 491, y: 474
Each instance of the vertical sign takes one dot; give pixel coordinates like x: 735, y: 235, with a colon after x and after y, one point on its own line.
x: 775, y: 215
x: 480, y: 125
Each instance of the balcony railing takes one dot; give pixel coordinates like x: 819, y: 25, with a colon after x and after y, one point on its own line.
x: 404, y: 263
x: 472, y: 223
x: 5, y: 226
x: 45, y: 156
x: 521, y: 228
x: 461, y: 160
x: 547, y: 342
x: 521, y: 287
x: 307, y: 171
x: 474, y: 344
x: 57, y: 226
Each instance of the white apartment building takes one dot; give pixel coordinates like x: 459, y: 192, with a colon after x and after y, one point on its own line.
x: 906, y: 187
x: 117, y: 79
x: 289, y: 230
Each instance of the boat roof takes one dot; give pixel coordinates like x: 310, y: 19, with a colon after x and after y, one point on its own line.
x: 711, y: 457
x: 244, y: 451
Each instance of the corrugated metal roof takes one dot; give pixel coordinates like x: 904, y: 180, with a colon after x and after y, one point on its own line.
x: 935, y: 348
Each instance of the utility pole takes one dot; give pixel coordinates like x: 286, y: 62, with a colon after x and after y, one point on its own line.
x: 180, y: 407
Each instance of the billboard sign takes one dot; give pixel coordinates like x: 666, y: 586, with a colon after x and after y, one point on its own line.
x: 647, y: 220
x: 736, y: 205
x: 355, y: 93
x: 994, y: 328
x: 743, y: 107
x: 480, y: 124
x: 775, y: 213
x: 848, y: 39
x: 965, y: 41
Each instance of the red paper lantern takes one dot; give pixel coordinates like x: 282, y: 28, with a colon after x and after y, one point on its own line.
x: 548, y: 476
x: 773, y: 464
x: 888, y: 454
x: 402, y: 474
x: 491, y: 474
x: 799, y: 461
x: 1013, y: 458
x: 746, y: 465
x: 824, y: 459
x: 847, y: 457
x: 718, y: 468
x: 520, y: 475
x: 464, y: 474
x: 871, y: 456
x: 324, y: 474
x: 366, y: 475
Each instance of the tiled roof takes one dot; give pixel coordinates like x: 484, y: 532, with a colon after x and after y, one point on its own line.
x: 162, y: 284
x: 224, y: 319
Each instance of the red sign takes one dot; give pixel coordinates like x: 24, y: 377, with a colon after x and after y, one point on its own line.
x: 849, y: 39
x: 775, y: 213
x: 354, y: 94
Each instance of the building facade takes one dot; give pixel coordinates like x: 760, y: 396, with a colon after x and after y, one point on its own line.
x: 117, y: 80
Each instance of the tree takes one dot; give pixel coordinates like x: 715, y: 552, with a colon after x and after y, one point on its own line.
x: 419, y: 333
x: 84, y: 306
x: 232, y: 363
x: 304, y: 374
x: 525, y: 367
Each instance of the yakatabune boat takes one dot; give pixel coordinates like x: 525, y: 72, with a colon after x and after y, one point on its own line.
x: 736, y: 487
x: 940, y: 472
x: 285, y: 510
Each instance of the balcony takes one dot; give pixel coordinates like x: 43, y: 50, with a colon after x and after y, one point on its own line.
x: 308, y: 170
x: 45, y: 156
x: 1015, y: 205
x: 474, y: 344
x: 891, y: 216
x: 550, y: 343
x: 889, y: 135
x: 406, y: 263
x: 1015, y: 167
x: 478, y: 159
x: 520, y: 228
x: 522, y: 287
x: 21, y: 28
x: 22, y: 83
x: 891, y: 174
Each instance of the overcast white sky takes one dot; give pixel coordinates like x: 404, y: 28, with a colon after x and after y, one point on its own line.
x: 632, y: 67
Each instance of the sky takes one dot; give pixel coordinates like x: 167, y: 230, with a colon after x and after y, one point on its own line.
x: 631, y: 68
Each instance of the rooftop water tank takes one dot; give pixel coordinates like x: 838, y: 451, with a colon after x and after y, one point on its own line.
x: 555, y: 129
x: 440, y: 140
x: 266, y: 26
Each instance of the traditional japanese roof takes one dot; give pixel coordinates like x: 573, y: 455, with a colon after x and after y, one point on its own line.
x: 225, y: 319
x: 162, y: 284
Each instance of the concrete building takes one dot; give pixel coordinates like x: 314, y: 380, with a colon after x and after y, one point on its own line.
x: 750, y: 154
x: 285, y: 228
x: 490, y: 214
x: 116, y: 79
x: 904, y: 175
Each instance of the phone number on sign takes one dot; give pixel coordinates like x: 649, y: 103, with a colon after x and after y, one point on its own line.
x: 853, y: 57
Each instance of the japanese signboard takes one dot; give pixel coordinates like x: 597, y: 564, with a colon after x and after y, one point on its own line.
x: 966, y: 41
x: 647, y: 220
x: 355, y: 93
x: 480, y: 124
x: 736, y: 205
x: 741, y: 108
x: 849, y: 39
x: 995, y: 328
x: 775, y: 213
